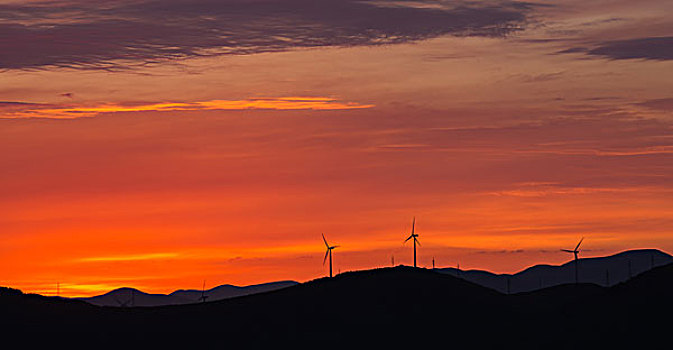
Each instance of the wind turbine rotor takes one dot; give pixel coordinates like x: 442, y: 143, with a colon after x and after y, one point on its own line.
x: 326, y: 254
x: 578, y: 245
x: 324, y: 240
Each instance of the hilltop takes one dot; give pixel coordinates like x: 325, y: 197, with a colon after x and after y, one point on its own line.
x: 130, y: 297
x: 603, y: 271
x: 396, y: 307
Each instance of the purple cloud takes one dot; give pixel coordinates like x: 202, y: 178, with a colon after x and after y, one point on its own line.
x: 654, y: 48
x: 77, y: 34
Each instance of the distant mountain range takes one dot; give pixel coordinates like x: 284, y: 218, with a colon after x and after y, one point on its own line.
x: 388, y: 308
x: 130, y: 297
x: 603, y: 271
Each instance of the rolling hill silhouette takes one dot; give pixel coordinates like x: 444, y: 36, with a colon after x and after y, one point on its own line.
x: 400, y: 307
x: 128, y: 297
x: 604, y: 271
x: 226, y: 291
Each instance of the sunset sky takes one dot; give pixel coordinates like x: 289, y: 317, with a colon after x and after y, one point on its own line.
x: 159, y: 143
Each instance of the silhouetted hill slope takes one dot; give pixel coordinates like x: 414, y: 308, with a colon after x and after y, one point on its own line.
x: 397, y: 308
x: 128, y: 297
x: 636, y: 314
x: 230, y: 291
x: 613, y: 269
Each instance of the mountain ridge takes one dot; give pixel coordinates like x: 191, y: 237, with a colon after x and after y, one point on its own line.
x: 131, y: 297
x: 393, y: 307
x: 604, y: 271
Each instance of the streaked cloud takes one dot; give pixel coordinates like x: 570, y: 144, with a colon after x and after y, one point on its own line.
x: 31, y: 110
x: 652, y: 48
x: 662, y: 104
x: 131, y: 257
x: 80, y: 34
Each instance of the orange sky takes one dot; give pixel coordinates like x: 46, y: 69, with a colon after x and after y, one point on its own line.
x: 229, y: 167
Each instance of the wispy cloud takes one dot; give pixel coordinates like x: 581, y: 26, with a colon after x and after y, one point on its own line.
x: 80, y: 34
x: 131, y: 257
x: 651, y: 48
x: 28, y: 110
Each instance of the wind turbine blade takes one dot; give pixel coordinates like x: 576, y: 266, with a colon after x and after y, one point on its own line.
x: 325, y: 259
x: 336, y: 246
x: 417, y: 241
x: 578, y: 244
x: 324, y: 240
x: 567, y: 250
x: 413, y: 226
x: 410, y: 237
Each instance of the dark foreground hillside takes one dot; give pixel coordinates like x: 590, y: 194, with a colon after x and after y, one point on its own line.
x: 399, y: 307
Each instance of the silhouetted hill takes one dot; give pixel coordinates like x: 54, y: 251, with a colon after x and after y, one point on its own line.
x: 230, y: 291
x: 603, y: 271
x: 399, y: 308
x: 129, y: 297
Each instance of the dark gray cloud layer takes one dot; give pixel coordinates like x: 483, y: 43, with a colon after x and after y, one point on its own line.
x: 81, y: 35
x: 655, y: 48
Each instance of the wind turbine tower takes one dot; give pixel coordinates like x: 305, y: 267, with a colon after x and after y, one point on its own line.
x: 203, y: 292
x: 413, y: 236
x: 328, y: 253
x: 576, y: 252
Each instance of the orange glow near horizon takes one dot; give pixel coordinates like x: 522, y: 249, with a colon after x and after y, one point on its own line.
x: 228, y: 167
x: 282, y: 103
x: 159, y: 242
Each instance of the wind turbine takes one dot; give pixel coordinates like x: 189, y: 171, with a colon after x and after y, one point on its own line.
x: 414, y: 236
x: 129, y: 302
x: 328, y: 252
x: 203, y: 292
x: 122, y: 303
x: 576, y: 252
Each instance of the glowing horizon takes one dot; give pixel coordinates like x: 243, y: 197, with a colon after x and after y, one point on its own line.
x: 156, y: 151
x: 36, y: 110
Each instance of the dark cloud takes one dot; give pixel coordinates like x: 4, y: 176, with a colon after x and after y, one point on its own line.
x: 655, y: 48
x: 539, y: 78
x: 15, y: 104
x: 662, y: 104
x: 660, y: 48
x: 83, y: 35
x: 504, y: 251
